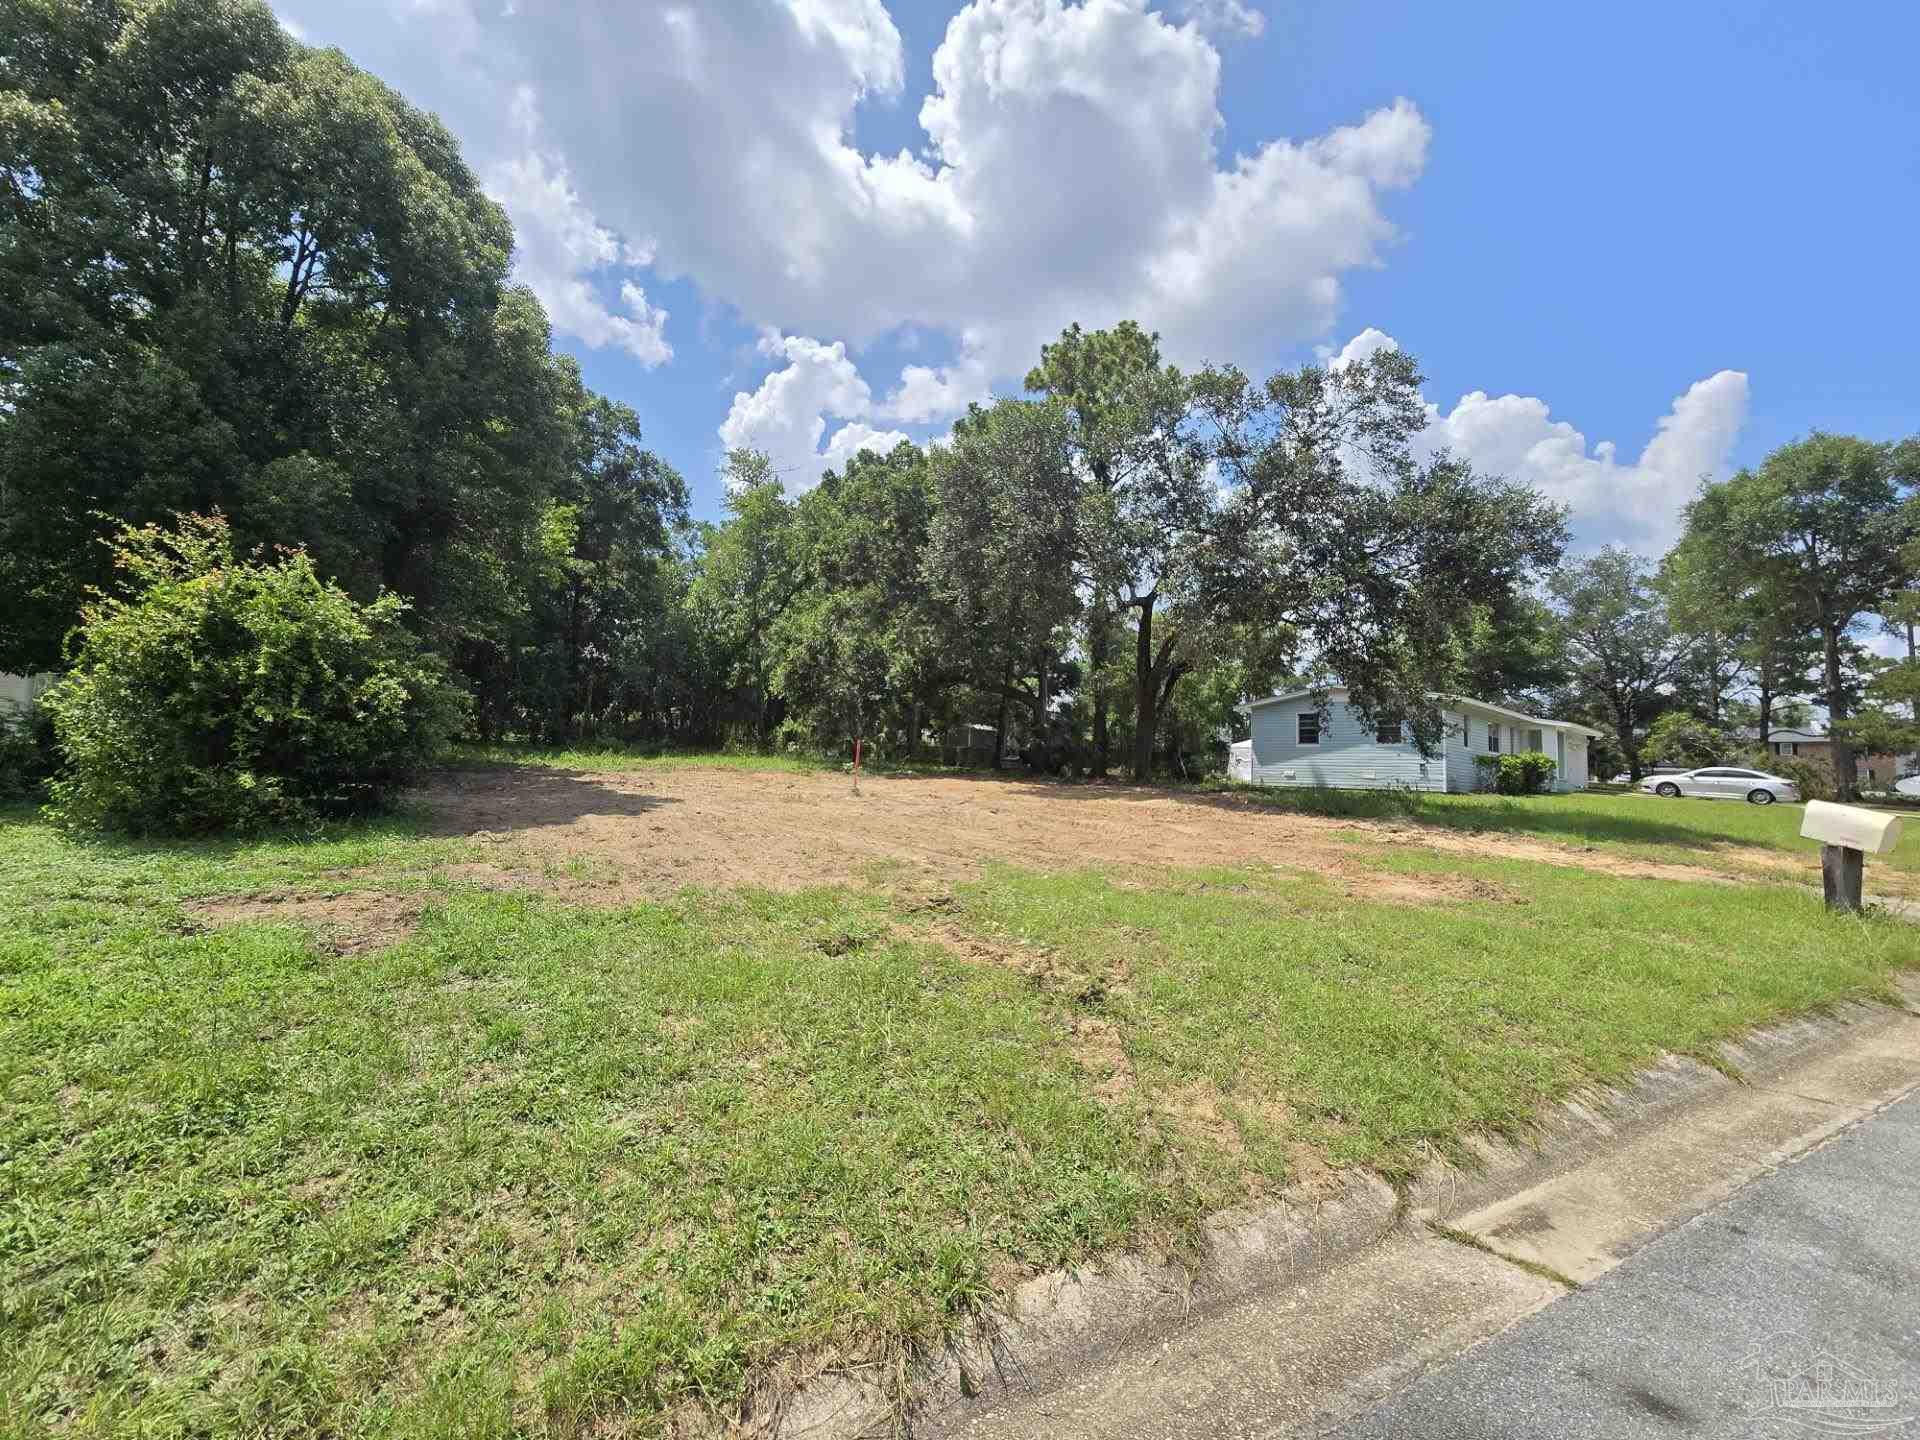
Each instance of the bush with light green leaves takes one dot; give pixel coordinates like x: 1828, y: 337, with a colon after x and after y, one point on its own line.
x: 211, y: 693
x: 1529, y: 772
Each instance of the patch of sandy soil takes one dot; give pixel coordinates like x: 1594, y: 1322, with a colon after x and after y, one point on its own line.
x: 348, y: 922
x: 1384, y: 885
x: 615, y: 836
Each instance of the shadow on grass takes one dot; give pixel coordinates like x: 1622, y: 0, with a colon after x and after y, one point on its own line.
x: 469, y: 801
x: 405, y: 821
x: 453, y: 803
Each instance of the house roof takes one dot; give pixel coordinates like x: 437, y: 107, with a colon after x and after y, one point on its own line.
x: 1782, y: 732
x: 1463, y: 700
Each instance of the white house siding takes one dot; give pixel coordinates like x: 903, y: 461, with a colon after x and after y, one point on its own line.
x: 17, y: 692
x: 1240, y: 761
x: 1567, y: 748
x: 1459, y: 752
x: 1576, y: 767
x: 1348, y: 757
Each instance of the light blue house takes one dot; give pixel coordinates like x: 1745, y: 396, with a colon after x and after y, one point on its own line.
x: 19, y: 692
x: 1296, y: 741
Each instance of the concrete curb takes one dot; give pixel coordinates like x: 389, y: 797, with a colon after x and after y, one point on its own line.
x: 1056, y: 1327
x: 1590, y: 1121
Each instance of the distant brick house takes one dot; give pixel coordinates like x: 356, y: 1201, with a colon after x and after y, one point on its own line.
x: 1791, y: 743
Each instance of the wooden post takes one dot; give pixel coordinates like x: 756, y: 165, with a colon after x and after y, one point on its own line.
x: 1842, y: 869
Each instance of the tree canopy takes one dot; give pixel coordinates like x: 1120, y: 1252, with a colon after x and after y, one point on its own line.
x: 1823, y: 530
x: 239, y: 275
x: 241, y: 278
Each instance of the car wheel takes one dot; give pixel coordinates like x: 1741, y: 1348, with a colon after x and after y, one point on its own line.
x: 1668, y: 790
x: 1760, y: 797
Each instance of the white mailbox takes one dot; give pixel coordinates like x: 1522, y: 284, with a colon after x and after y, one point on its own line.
x: 1868, y: 831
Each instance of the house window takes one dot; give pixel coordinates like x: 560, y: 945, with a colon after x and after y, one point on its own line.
x: 1309, y: 733
x: 1388, y: 734
x: 1493, y: 739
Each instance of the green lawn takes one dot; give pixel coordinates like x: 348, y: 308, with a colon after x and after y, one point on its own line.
x: 623, y: 757
x: 1644, y: 825
x: 547, y: 1169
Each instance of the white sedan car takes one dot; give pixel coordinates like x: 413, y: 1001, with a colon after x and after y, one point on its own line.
x: 1723, y: 782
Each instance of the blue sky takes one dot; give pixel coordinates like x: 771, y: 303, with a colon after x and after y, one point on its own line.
x: 1585, y: 221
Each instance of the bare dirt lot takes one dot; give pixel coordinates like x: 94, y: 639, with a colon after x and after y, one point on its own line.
x: 619, y: 835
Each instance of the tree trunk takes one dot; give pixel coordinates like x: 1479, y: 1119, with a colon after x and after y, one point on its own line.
x: 1629, y: 746
x: 1913, y: 654
x: 913, y: 731
x: 1000, y: 723
x: 1145, y: 694
x: 1096, y: 667
x: 569, y: 722
x: 1766, y: 712
x: 1846, y: 784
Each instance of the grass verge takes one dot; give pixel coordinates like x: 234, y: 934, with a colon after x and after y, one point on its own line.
x: 567, y: 1170
x: 1646, y: 826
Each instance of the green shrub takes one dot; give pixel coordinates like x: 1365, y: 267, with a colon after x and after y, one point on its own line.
x: 1527, y: 772
x: 1678, y: 738
x: 1812, y: 778
x: 219, y: 694
x: 28, y: 754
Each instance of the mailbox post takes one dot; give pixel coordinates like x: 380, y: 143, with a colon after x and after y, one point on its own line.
x: 1847, y: 835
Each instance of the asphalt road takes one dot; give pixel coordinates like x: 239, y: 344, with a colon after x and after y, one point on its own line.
x: 1793, y: 1309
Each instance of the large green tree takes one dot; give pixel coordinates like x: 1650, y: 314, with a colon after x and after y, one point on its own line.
x: 1210, y: 506
x: 1124, y: 410
x: 238, y: 274
x: 1824, y: 524
x: 1750, y: 634
x: 1621, y: 641
x: 1311, y: 517
x: 856, y: 653
x: 749, y: 574
x: 1512, y: 653
x: 1002, y: 547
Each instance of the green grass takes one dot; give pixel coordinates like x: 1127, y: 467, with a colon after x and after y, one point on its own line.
x: 530, y: 1166
x: 613, y: 756
x: 553, y: 1170
x: 1672, y: 830
x: 1392, y: 1031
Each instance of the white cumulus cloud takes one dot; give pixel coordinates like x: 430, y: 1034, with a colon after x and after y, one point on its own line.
x: 1631, y: 502
x: 786, y: 416
x: 1224, y: 17
x: 1070, y: 169
x: 562, y: 252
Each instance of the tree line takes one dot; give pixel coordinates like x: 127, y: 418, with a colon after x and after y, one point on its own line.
x: 1124, y: 552
x: 1763, y: 610
x: 239, y: 276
